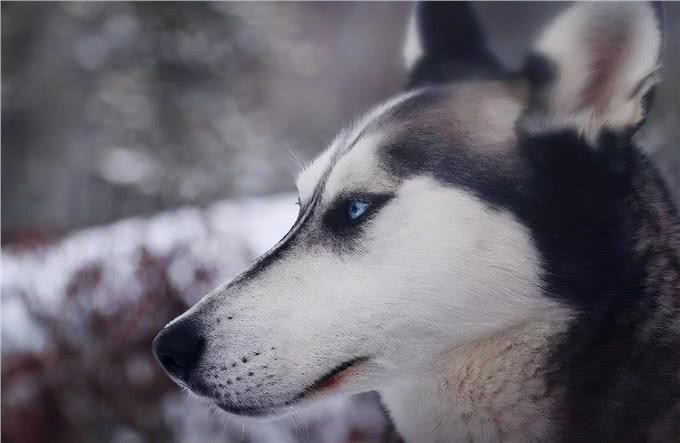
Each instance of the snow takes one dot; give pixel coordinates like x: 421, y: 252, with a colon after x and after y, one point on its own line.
x: 223, y: 237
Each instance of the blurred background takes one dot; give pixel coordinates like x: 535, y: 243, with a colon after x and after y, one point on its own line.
x: 145, y: 159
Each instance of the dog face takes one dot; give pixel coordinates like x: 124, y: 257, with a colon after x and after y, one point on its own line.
x: 416, y: 233
x: 385, y: 265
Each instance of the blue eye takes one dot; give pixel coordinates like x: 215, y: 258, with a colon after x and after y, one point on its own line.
x: 357, y: 208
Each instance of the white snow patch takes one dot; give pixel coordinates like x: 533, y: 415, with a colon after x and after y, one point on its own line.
x: 224, y: 238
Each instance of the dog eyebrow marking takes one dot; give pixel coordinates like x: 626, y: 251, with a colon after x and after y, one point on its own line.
x: 311, y: 180
x: 376, y: 117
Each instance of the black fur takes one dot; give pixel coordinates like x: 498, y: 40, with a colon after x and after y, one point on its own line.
x: 276, y: 253
x: 586, y: 215
x: 453, y: 45
x: 620, y: 360
x: 330, y: 228
x: 539, y: 71
x: 608, y: 236
x: 567, y: 194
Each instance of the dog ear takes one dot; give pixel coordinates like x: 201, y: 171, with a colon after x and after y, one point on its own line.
x: 444, y: 42
x: 594, y: 69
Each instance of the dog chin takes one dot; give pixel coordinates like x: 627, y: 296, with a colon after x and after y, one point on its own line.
x: 323, y: 387
x: 249, y: 411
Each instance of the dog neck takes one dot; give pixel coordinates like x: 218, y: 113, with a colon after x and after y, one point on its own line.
x: 488, y: 390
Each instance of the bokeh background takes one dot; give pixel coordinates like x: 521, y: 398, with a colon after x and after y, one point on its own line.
x: 146, y: 158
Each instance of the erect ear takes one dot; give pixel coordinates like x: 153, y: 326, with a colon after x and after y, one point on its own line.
x: 444, y: 42
x: 593, y: 69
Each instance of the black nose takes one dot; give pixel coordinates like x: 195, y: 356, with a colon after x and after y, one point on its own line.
x: 178, y: 348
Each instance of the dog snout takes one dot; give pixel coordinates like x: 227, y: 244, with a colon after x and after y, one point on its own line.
x: 178, y: 348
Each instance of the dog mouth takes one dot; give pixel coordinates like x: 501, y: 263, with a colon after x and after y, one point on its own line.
x: 332, y: 379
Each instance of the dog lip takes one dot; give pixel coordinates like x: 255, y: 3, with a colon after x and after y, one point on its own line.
x: 330, y: 379
x: 248, y: 411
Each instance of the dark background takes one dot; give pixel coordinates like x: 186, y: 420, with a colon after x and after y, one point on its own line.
x: 119, y: 110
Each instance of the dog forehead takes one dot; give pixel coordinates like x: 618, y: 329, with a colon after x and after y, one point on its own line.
x: 476, y: 116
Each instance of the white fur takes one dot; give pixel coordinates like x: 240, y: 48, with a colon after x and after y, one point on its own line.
x: 437, y: 270
x: 413, y: 47
x: 580, y: 38
x: 490, y: 389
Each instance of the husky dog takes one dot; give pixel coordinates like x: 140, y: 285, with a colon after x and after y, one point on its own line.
x: 488, y: 251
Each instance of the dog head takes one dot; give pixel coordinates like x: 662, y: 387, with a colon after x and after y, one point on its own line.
x: 423, y: 225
